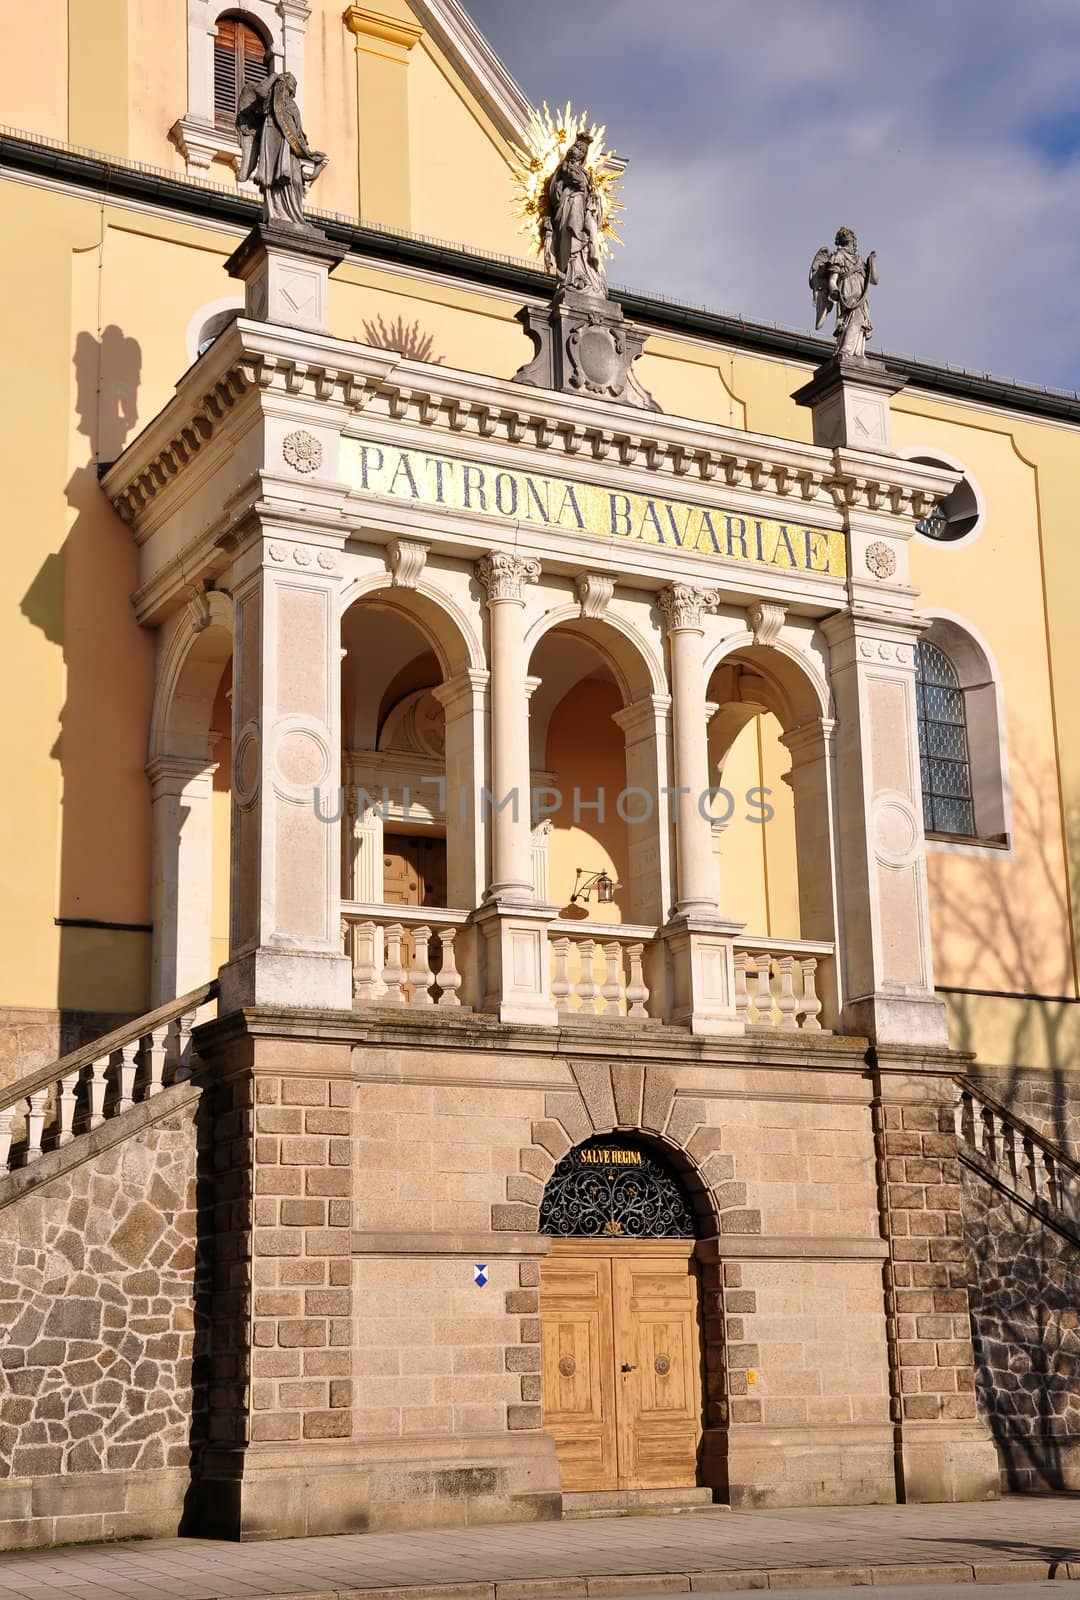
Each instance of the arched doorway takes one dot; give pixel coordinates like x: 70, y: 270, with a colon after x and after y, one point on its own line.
x: 620, y: 1322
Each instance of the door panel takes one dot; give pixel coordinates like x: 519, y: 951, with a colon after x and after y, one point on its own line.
x: 578, y: 1385
x: 658, y: 1404
x: 598, y: 1313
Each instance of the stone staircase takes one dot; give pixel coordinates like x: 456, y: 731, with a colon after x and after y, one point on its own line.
x: 1007, y: 1151
x: 96, y: 1085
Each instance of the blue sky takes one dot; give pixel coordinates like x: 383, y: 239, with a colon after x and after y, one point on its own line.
x: 945, y: 132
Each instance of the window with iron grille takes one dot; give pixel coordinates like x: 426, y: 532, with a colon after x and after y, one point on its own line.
x: 239, y: 58
x: 943, y: 745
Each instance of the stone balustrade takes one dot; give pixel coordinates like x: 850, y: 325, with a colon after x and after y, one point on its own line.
x: 76, y: 1094
x: 776, y: 984
x: 1015, y: 1155
x: 597, y: 970
x: 404, y: 955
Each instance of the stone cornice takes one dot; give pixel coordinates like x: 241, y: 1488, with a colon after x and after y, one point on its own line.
x: 365, y: 24
x: 283, y: 362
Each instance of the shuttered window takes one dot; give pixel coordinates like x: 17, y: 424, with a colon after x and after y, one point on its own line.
x: 239, y: 58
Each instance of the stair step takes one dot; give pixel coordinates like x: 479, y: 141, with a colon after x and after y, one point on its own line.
x: 636, y: 1502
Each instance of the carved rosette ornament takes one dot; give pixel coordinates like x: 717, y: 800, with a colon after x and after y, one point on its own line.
x: 503, y: 576
x: 880, y: 559
x: 302, y: 451
x: 683, y: 605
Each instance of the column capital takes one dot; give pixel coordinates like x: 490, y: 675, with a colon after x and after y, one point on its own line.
x: 683, y: 605
x: 373, y: 29
x: 503, y: 576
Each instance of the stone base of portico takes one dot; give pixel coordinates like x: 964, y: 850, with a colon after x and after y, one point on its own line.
x: 515, y: 962
x: 916, y: 1021
x: 288, y: 1491
x: 702, y: 973
x: 269, y: 977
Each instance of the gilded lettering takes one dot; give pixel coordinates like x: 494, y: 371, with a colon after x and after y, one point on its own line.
x: 481, y: 492
x: 706, y: 527
x: 403, y: 466
x: 784, y: 540
x: 650, y: 519
x: 813, y: 549
x: 367, y: 450
x: 570, y: 499
x: 677, y: 532
x: 760, y: 556
x: 506, y: 494
x: 439, y: 466
x: 618, y: 516
x: 740, y: 536
x: 532, y: 498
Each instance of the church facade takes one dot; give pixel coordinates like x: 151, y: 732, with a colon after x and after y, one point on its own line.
x: 540, y: 972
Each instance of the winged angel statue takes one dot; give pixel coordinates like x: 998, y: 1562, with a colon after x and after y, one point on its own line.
x: 841, y: 278
x: 274, y: 149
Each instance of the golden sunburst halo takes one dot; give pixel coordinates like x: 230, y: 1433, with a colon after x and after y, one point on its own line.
x: 548, y: 136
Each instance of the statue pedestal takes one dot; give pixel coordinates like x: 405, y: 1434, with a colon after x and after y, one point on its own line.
x: 584, y: 345
x: 849, y: 400
x: 286, y: 274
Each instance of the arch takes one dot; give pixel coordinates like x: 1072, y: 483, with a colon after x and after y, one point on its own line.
x: 457, y: 644
x: 190, y: 670
x: 636, y: 667
x: 980, y: 683
x: 242, y: 46
x: 210, y: 320
x: 802, y: 691
x: 617, y: 1185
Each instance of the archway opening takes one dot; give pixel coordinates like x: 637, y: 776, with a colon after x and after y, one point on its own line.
x: 623, y: 1357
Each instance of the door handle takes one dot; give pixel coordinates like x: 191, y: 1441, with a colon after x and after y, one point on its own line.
x: 626, y: 1367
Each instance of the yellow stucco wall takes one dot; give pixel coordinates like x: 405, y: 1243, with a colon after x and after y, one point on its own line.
x: 107, y: 294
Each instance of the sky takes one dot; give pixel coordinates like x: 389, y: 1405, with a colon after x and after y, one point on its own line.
x: 945, y: 132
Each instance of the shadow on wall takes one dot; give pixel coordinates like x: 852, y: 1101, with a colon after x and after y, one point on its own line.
x: 407, y: 337
x: 80, y: 599
x: 1023, y: 1276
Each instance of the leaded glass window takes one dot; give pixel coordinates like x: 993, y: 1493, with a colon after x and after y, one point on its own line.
x: 943, y: 745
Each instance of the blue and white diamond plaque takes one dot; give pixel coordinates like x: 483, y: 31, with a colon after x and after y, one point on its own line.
x: 479, y: 1273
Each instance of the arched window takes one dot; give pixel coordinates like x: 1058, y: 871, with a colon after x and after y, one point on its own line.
x: 239, y: 58
x: 943, y: 744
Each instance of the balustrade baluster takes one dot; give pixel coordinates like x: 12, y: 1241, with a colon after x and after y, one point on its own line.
x: 183, y: 1047
x: 586, y: 984
x: 560, y: 976
x: 125, y: 1075
x: 786, y: 1003
x: 421, y: 976
x: 154, y: 1052
x: 367, y: 982
x: 637, y: 995
x: 449, y: 978
x: 741, y: 993
x: 393, y: 971
x: 65, y: 1108
x: 98, y: 1084
x: 1008, y: 1150
x: 811, y: 1003
x: 8, y: 1119
x: 761, y: 999
x: 35, y: 1123
x: 1030, y: 1170
x: 612, y: 988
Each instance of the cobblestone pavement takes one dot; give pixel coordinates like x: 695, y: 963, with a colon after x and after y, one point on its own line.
x: 704, y: 1551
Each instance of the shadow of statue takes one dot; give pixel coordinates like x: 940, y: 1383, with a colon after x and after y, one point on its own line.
x: 407, y: 338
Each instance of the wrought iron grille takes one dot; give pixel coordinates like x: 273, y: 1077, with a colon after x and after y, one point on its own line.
x: 615, y: 1189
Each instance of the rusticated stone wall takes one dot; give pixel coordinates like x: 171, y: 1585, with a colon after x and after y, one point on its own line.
x: 98, y: 1274
x: 1024, y: 1289
x: 32, y: 1037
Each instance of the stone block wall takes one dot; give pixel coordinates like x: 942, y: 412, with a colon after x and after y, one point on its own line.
x: 1024, y: 1279
x: 33, y: 1037
x: 99, y: 1404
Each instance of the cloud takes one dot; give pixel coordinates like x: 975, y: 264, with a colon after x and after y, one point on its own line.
x: 945, y: 132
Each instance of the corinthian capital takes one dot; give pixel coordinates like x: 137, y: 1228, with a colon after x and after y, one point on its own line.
x: 683, y: 605
x: 503, y: 576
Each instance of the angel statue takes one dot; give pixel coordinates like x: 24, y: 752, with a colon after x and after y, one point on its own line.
x: 274, y: 149
x: 841, y: 278
x: 572, y: 222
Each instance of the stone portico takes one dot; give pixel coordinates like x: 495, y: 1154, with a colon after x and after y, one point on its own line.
x: 373, y: 663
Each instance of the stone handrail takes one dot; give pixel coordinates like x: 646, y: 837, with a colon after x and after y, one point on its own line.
x: 776, y: 983
x: 618, y: 990
x: 403, y: 955
x: 1033, y: 1168
x: 48, y: 1108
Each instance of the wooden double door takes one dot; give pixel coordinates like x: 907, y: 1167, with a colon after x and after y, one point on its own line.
x: 621, y: 1363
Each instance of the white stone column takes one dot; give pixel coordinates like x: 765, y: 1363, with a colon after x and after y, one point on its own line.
x: 811, y: 783
x: 515, y: 962
x: 503, y: 577
x: 181, y: 790
x: 698, y: 940
x: 881, y: 867
x: 286, y: 843
x: 464, y: 702
x: 683, y: 607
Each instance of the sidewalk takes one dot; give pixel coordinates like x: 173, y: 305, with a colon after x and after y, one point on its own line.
x: 1029, y: 1537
